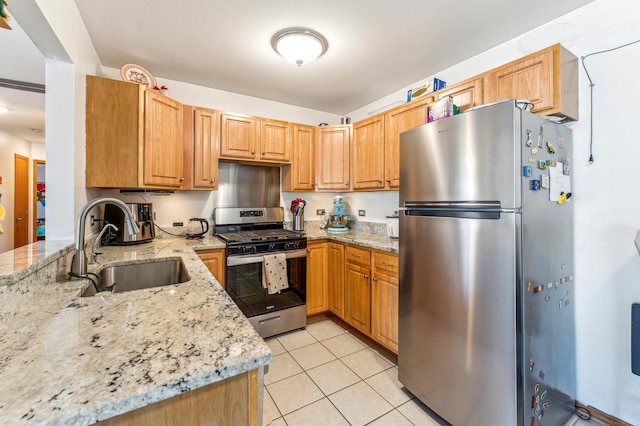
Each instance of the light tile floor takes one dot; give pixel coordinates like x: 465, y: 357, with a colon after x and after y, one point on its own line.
x: 330, y: 374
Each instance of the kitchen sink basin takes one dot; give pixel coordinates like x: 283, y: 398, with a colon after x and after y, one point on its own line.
x: 137, y: 276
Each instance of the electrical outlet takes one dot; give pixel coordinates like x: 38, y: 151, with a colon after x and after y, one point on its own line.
x: 92, y: 219
x: 178, y: 224
x: 320, y: 212
x: 362, y: 213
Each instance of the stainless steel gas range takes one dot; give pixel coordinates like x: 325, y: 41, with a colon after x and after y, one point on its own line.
x: 251, y: 234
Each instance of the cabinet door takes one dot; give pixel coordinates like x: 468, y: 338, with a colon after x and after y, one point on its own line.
x: 358, y: 297
x: 163, y: 141
x: 301, y: 174
x: 201, y: 147
x: 333, y: 145
x: 317, y: 296
x: 397, y: 121
x: 336, y: 279
x: 216, y: 262
x: 384, y: 300
x: 466, y: 94
x: 367, y: 154
x: 238, y: 136
x: 275, y: 141
x: 530, y: 78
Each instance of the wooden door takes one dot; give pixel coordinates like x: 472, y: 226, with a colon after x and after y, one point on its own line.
x: 367, y: 154
x: 466, y: 94
x: 333, y: 167
x: 21, y: 202
x: 216, y: 263
x: 317, y: 297
x: 275, y: 141
x: 238, y: 136
x: 529, y: 78
x: 336, y: 279
x: 397, y: 121
x: 358, y: 297
x: 163, y: 141
x: 201, y: 166
x: 384, y: 327
x: 301, y: 174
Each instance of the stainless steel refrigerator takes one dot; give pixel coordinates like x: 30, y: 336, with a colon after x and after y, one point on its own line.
x: 486, y: 327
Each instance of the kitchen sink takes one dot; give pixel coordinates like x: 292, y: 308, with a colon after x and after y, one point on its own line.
x: 137, y: 276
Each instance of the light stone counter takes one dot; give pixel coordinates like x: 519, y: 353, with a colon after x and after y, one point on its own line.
x: 67, y: 360
x: 370, y: 235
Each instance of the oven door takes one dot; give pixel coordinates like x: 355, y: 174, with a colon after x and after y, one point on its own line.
x: 270, y: 314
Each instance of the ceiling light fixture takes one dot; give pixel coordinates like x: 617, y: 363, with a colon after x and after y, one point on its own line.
x: 299, y: 45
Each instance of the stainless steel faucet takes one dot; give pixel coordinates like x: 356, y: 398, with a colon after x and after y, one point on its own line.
x: 96, y: 243
x: 79, y: 262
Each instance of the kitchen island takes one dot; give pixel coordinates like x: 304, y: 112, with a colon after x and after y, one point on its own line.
x: 73, y: 360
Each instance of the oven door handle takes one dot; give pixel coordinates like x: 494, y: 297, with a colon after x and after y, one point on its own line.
x: 245, y: 260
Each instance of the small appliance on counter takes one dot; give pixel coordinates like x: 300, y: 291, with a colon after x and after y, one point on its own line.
x: 338, y: 219
x: 297, y: 208
x: 142, y: 214
x: 197, y: 228
x: 393, y: 228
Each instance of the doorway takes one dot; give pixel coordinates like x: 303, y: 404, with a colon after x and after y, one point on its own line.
x: 21, y: 202
x: 39, y: 192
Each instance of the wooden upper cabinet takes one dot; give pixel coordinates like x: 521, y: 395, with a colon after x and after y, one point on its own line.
x: 134, y: 136
x: 466, y: 94
x: 238, y: 136
x: 333, y: 149
x: 201, y: 147
x: 275, y: 141
x: 301, y: 174
x: 548, y: 78
x: 400, y: 120
x: 368, y: 154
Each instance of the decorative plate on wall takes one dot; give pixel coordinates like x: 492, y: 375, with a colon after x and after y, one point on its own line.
x: 136, y: 74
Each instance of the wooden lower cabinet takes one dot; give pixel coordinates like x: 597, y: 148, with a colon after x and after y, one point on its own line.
x: 336, y: 279
x: 317, y: 268
x: 384, y: 300
x: 357, y: 285
x: 231, y: 402
x: 216, y: 262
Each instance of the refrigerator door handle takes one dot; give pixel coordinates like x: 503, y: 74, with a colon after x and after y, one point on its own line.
x: 460, y: 209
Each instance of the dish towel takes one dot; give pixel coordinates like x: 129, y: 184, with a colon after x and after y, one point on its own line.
x: 274, y: 273
x: 3, y: 211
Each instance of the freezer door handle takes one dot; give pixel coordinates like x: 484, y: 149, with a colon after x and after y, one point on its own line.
x: 461, y: 209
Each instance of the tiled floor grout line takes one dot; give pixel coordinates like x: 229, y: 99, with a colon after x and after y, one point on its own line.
x: 375, y: 349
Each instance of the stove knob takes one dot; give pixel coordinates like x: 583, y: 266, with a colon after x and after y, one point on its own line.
x: 272, y: 247
x: 287, y: 246
x: 296, y: 244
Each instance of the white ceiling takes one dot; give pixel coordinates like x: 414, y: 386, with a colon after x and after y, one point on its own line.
x: 375, y: 47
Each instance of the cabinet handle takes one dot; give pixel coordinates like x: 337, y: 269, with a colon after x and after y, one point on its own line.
x: 374, y: 279
x: 253, y: 151
x: 181, y: 179
x: 366, y: 276
x: 213, y: 180
x: 263, y: 153
x: 388, y: 180
x: 379, y: 181
x: 346, y: 184
x: 308, y: 250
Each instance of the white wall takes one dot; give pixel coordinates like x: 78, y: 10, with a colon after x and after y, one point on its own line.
x: 607, y: 202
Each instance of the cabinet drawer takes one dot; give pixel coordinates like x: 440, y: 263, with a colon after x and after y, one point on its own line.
x: 386, y: 262
x: 356, y: 255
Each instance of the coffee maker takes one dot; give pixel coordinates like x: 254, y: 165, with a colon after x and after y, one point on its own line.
x: 142, y: 214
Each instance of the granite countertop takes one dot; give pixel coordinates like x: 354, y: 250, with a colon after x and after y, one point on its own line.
x: 361, y: 237
x: 74, y: 361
